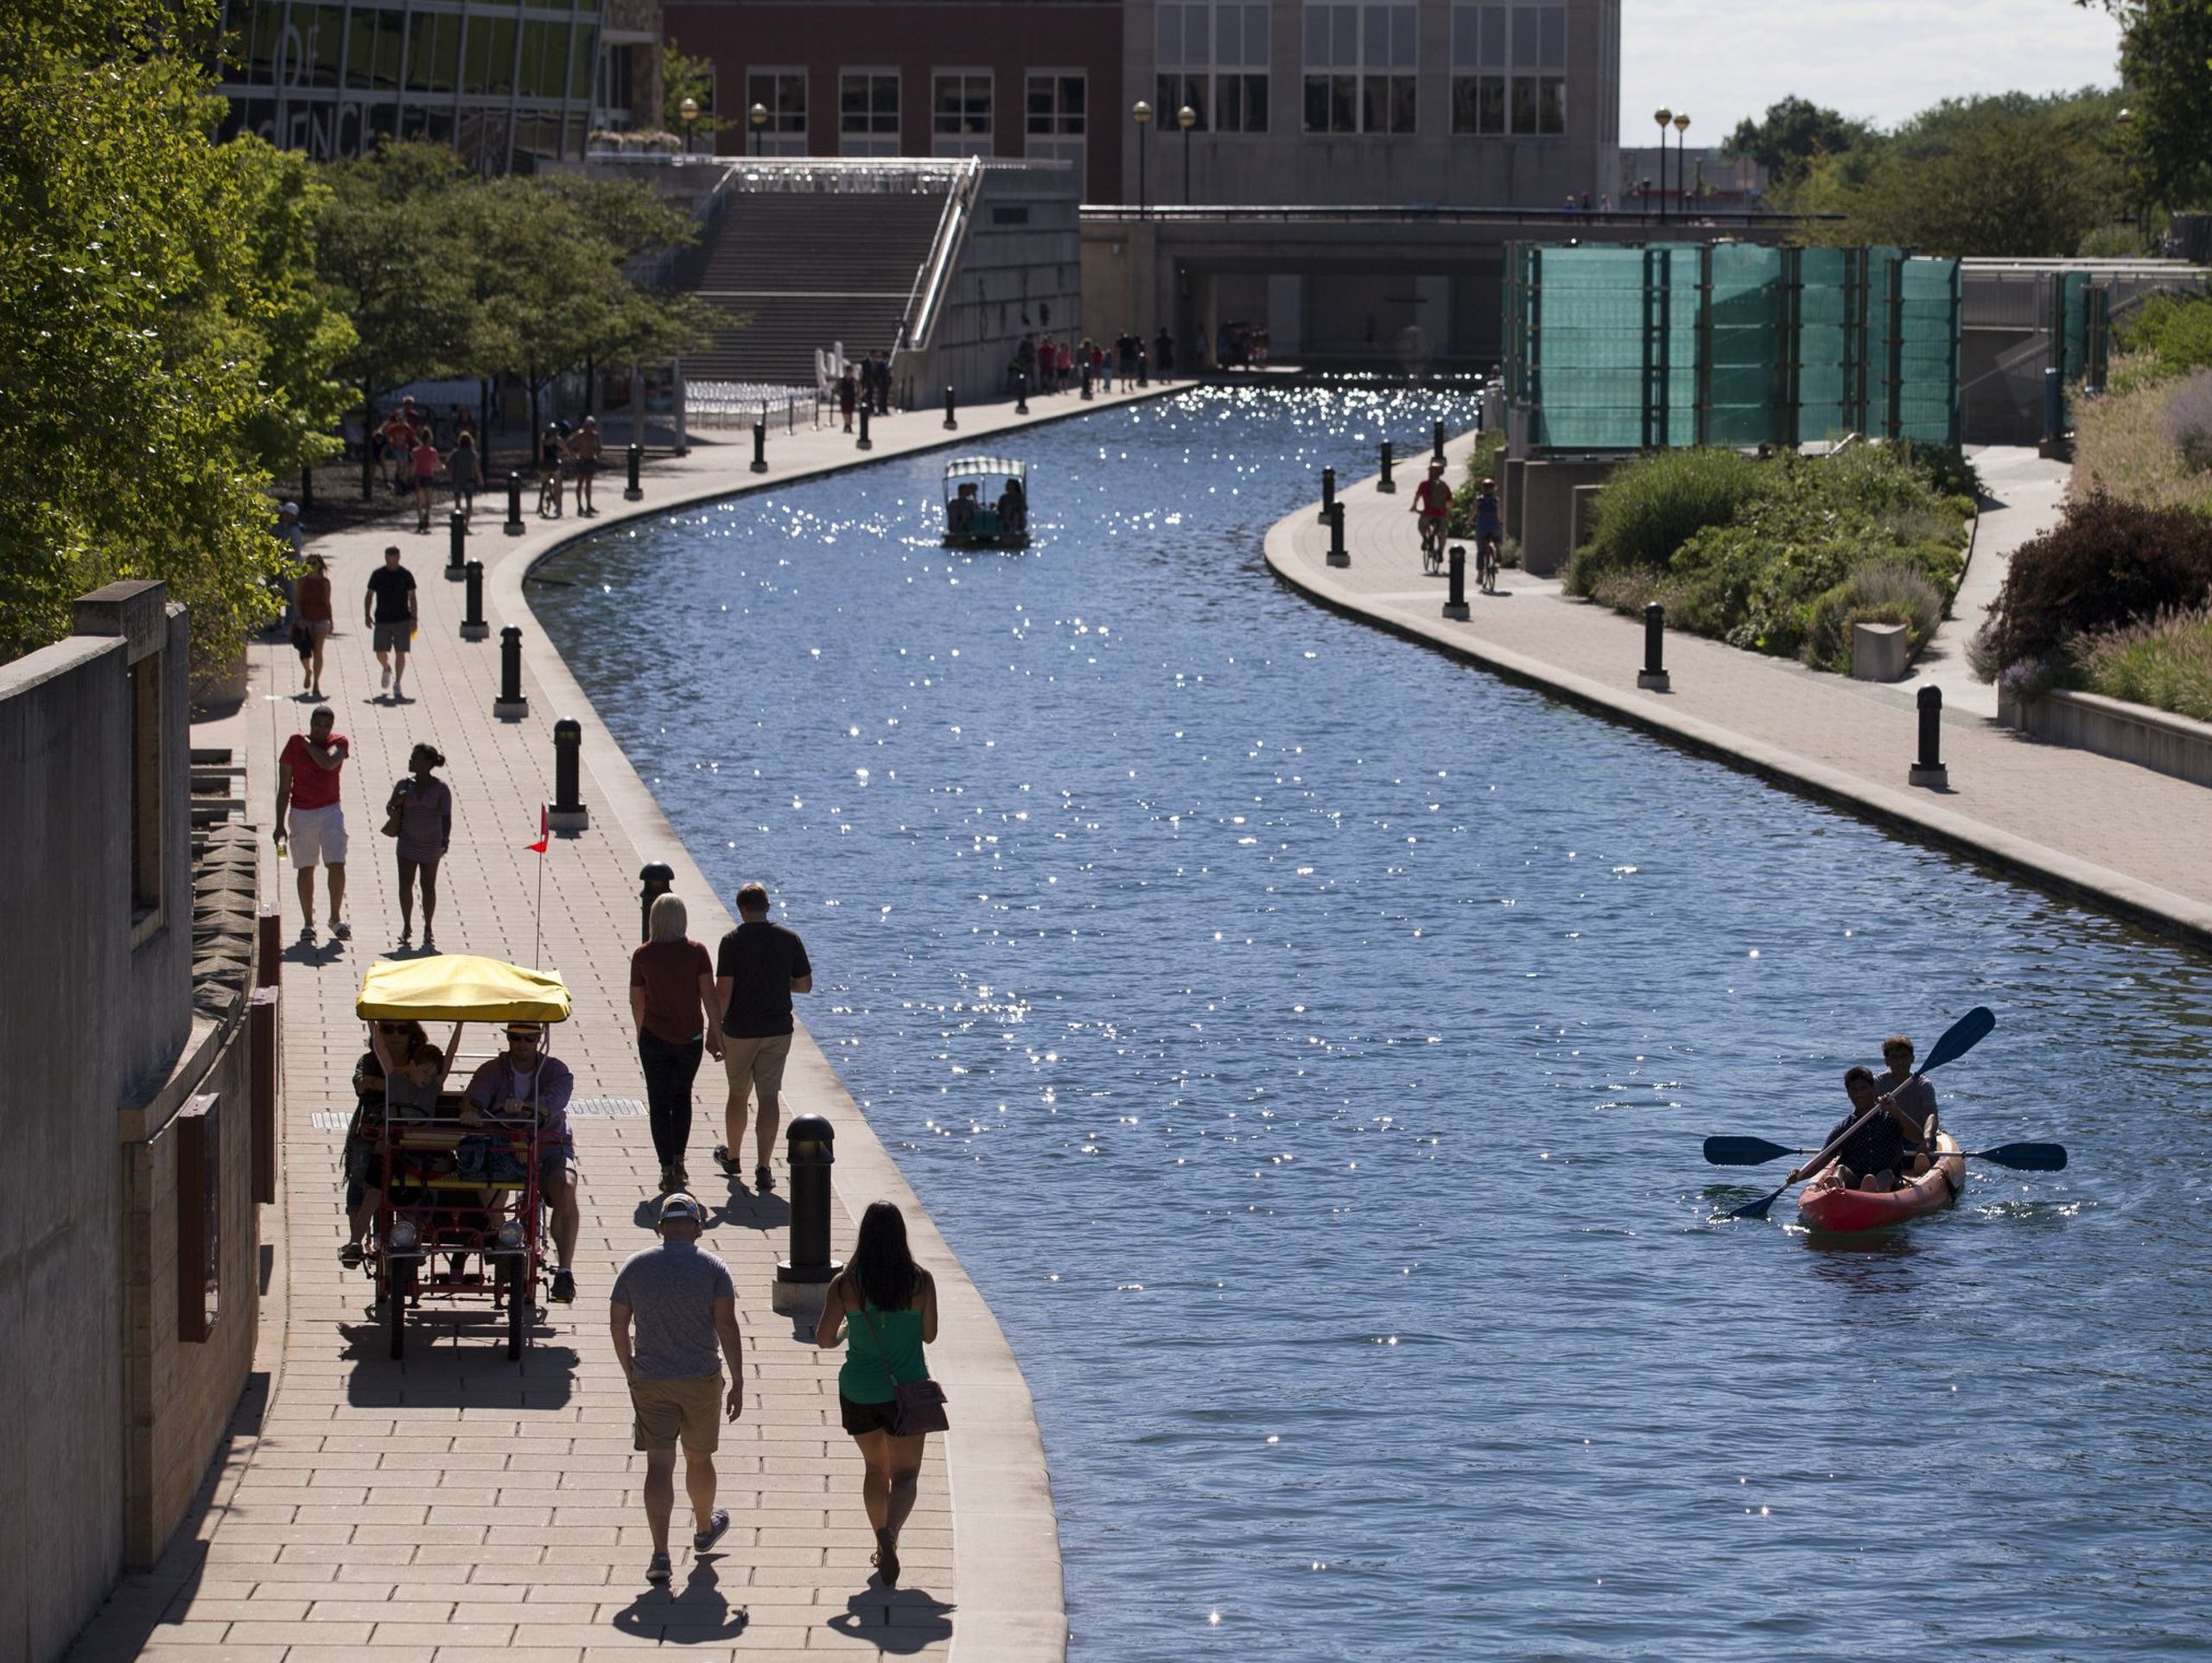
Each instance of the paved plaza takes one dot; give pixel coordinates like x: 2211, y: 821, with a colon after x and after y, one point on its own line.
x: 455, y: 1504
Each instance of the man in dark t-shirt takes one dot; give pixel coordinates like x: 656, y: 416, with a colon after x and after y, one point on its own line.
x: 760, y: 965
x: 389, y: 604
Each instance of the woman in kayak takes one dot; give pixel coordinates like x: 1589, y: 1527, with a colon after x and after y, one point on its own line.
x: 1884, y: 1145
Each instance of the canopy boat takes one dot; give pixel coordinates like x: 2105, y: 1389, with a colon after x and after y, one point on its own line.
x: 1826, y: 1205
x: 985, y: 503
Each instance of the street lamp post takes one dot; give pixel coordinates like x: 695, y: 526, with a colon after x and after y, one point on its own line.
x: 1141, y: 112
x: 1663, y: 116
x: 690, y: 110
x: 1681, y: 137
x: 1187, y: 118
x: 758, y: 115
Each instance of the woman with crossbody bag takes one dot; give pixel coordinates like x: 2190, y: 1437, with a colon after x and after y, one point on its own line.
x: 883, y: 1306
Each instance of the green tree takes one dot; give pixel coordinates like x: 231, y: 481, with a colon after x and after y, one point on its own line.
x: 1792, y: 135
x: 2165, y: 69
x: 682, y: 77
x: 159, y: 345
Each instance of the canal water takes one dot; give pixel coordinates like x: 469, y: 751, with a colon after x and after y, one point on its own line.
x: 1306, y: 1042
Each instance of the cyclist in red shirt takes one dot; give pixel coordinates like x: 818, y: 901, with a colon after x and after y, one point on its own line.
x: 1433, y: 502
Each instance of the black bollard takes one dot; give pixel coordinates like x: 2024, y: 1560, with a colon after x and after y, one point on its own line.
x: 658, y: 877
x: 634, y: 491
x: 1336, y: 555
x: 567, y: 813
x: 1328, y: 492
x: 514, y: 527
x: 1386, y: 484
x: 1021, y: 395
x: 1436, y: 442
x: 1654, y: 673
x: 1086, y: 381
x: 809, y: 1145
x: 510, y: 706
x: 457, y: 546
x: 866, y: 442
x: 760, y: 444
x: 473, y: 626
x: 1930, y: 770
x: 1455, y: 602
x: 950, y: 424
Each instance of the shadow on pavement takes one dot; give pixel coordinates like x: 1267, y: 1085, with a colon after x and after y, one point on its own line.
x: 456, y: 1357
x: 695, y: 1615
x: 901, y: 1619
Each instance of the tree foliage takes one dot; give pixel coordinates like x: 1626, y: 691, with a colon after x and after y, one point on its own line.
x: 2165, y: 67
x: 1793, y: 135
x: 161, y: 337
x: 683, y: 76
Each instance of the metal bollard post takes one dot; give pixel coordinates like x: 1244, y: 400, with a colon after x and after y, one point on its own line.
x: 790, y: 413
x: 950, y: 424
x: 866, y: 442
x: 456, y: 545
x: 634, y: 491
x: 1386, y: 484
x: 1328, y: 492
x: 567, y: 812
x: 514, y: 527
x: 1336, y: 555
x: 809, y: 1145
x: 760, y: 444
x: 1928, y: 769
x: 1654, y: 673
x: 473, y: 626
x: 1086, y: 381
x: 658, y: 878
x: 1455, y: 602
x: 1436, y: 441
x: 509, y: 705
x: 1021, y: 395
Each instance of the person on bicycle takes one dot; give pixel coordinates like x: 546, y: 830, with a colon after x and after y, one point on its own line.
x: 1433, y: 502
x: 1490, y: 529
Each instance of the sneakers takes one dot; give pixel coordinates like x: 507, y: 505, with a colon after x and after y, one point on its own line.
x: 430, y: 942
x: 763, y: 1179
x: 722, y: 1159
x: 565, y: 1291
x: 340, y: 929
x: 306, y: 932
x: 668, y: 1183
x: 682, y: 1177
x: 717, y: 1522
x: 658, y: 1569
x: 405, y: 939
x: 887, y: 1559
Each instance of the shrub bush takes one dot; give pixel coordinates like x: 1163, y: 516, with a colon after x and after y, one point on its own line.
x: 2177, y: 329
x: 1651, y: 506
x: 2165, y: 663
x: 1883, y: 592
x: 2107, y: 564
x: 2188, y: 421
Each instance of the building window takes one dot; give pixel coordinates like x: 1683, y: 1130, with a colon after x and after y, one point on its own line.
x: 960, y: 112
x: 1508, y: 70
x: 1056, y: 116
x: 782, y: 93
x: 867, y: 112
x: 1359, y: 68
x: 1213, y: 57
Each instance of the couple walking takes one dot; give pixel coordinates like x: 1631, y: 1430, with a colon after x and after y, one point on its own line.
x: 738, y: 1009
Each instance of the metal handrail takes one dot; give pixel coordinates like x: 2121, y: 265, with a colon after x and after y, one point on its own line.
x: 918, y: 322
x: 1437, y: 213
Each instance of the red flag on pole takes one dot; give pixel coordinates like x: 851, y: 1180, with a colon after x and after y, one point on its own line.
x: 544, y: 832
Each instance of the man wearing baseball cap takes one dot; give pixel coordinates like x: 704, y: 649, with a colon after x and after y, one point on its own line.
x: 683, y: 1305
x: 523, y: 1084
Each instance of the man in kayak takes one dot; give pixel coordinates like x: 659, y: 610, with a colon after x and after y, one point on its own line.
x: 1917, y: 1097
x: 1887, y: 1145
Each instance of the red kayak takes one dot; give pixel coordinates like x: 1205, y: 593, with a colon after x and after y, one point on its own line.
x: 1825, y: 1204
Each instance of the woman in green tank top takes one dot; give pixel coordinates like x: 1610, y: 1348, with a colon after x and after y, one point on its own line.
x: 883, y: 1307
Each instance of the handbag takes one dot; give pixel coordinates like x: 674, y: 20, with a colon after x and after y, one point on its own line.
x: 390, y: 827
x: 917, y: 1406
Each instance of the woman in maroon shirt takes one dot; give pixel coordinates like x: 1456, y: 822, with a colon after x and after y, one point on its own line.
x: 672, y: 998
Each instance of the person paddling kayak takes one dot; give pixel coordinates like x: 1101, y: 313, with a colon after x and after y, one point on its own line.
x: 1884, y: 1144
x: 1915, y: 1096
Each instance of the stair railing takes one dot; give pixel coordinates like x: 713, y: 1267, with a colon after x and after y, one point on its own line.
x: 925, y: 301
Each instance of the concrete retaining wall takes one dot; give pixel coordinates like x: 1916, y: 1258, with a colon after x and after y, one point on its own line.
x: 2112, y: 728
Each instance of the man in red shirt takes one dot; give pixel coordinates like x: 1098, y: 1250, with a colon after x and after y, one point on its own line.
x: 308, y: 811
x: 1433, y: 502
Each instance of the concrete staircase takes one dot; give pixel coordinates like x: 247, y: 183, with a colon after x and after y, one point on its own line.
x: 796, y: 272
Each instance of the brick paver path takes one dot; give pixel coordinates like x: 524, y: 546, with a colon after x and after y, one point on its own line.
x: 456, y: 1504
x: 2121, y: 836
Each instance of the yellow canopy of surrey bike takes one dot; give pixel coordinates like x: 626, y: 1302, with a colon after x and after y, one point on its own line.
x: 460, y: 987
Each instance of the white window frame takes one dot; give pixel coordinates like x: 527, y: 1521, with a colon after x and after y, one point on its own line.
x: 774, y: 140
x: 1057, y: 143
x: 871, y: 140
x: 964, y: 143
x: 1503, y: 47
x: 1348, y: 52
x: 1181, y: 76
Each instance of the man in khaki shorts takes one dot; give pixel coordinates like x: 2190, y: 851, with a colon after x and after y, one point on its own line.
x: 684, y: 1306
x: 760, y: 966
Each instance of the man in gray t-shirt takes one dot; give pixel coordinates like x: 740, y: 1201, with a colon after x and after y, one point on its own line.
x: 684, y: 1307
x: 1918, y: 1098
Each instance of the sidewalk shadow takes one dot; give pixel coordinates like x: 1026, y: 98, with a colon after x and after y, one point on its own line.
x: 697, y: 1615
x: 900, y: 1620
x: 324, y: 949
x: 750, y: 1211
x: 456, y: 1357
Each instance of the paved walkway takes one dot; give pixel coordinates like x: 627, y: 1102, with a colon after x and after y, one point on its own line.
x: 456, y: 1505
x: 2122, y: 837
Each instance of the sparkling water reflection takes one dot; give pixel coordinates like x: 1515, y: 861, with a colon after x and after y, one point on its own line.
x: 1305, y: 1042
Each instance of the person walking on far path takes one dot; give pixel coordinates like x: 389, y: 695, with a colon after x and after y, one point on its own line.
x: 466, y: 468
x: 848, y: 394
x: 388, y: 609
x: 423, y: 463
x: 672, y: 1000
x: 883, y: 1306
x: 760, y: 966
x: 421, y: 803
x: 313, y: 619
x: 587, y: 449
x: 309, y: 816
x: 683, y: 1305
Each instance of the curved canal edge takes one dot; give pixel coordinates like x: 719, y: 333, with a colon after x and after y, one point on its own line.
x: 1780, y: 720
x: 1010, y: 1604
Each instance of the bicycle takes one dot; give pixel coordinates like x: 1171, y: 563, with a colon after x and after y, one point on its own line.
x: 1486, y: 563
x: 1432, y: 543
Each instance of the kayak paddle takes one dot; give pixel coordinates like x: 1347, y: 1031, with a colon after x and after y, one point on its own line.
x: 1958, y: 1039
x: 1756, y: 1151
